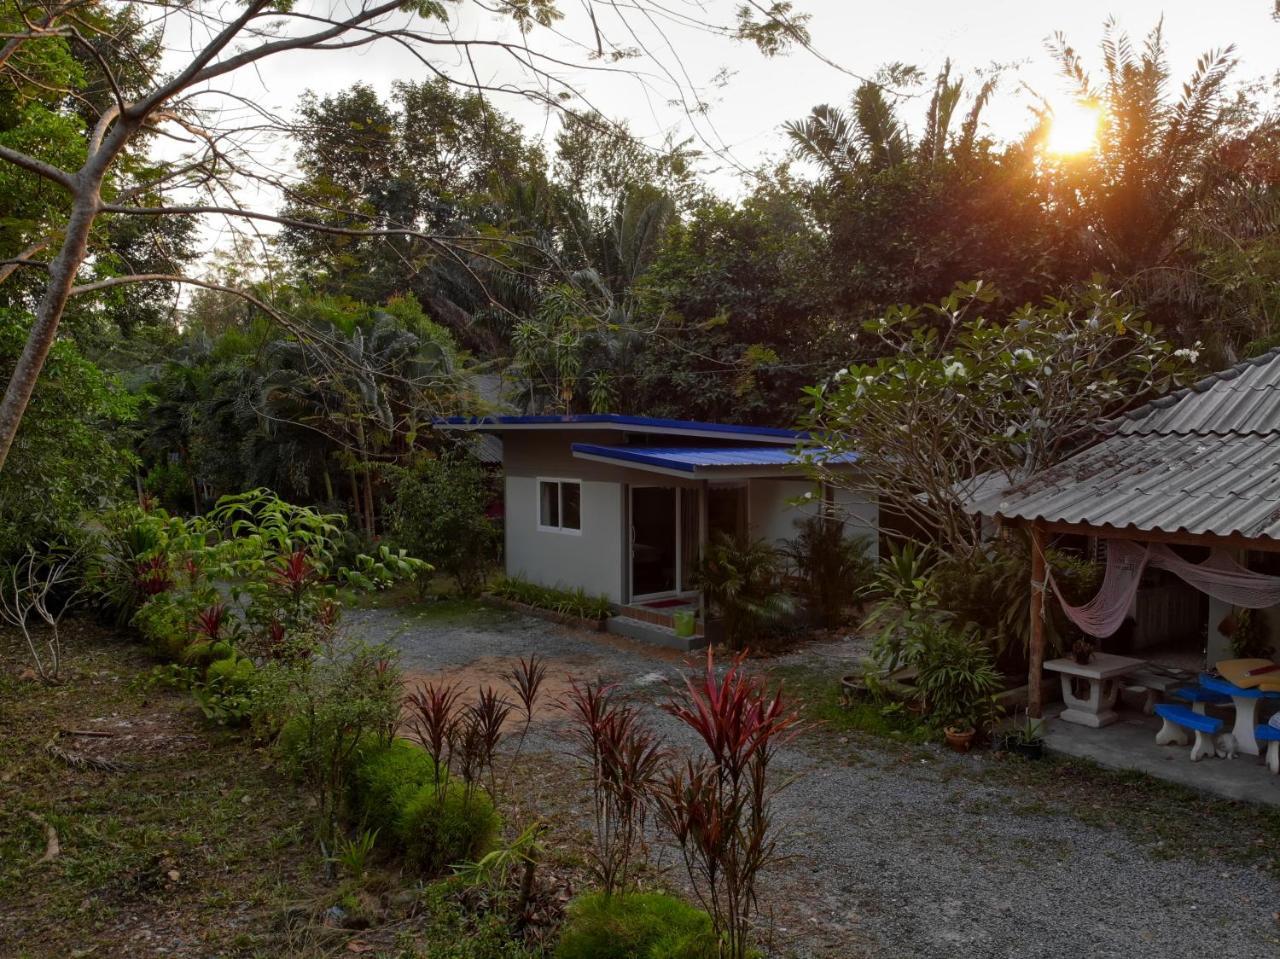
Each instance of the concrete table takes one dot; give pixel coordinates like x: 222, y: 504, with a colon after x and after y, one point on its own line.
x: 1101, y: 672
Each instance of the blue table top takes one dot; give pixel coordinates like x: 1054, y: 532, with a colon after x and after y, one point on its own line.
x: 1220, y: 685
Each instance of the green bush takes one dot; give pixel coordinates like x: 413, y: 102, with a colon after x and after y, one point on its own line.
x: 165, y: 625
x: 635, y: 926
x: 393, y: 789
x: 385, y: 778
x: 835, y: 569
x: 436, y: 833
x: 575, y: 602
x: 231, y: 672
x: 439, y: 516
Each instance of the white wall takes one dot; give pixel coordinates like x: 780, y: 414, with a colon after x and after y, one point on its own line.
x: 773, y: 517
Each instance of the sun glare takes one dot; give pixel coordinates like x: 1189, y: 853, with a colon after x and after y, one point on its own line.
x: 1073, y: 128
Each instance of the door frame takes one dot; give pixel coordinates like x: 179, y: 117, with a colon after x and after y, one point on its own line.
x: 629, y: 528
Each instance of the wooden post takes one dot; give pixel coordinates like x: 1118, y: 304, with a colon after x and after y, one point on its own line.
x: 1035, y: 668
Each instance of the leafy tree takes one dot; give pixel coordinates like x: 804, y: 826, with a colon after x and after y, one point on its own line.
x: 957, y: 398
x: 440, y: 515
x: 72, y: 452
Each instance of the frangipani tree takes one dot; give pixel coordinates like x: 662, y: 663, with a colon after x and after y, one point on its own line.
x: 955, y: 397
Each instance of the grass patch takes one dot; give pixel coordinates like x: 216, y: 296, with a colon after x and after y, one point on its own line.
x: 1173, y: 821
x: 817, y: 693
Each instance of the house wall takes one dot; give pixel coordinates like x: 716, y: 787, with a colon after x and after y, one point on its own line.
x: 775, y: 518
x: 595, y: 559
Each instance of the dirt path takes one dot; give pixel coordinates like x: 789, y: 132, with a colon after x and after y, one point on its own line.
x: 910, y: 852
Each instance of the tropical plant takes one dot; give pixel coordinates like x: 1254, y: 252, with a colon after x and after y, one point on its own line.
x: 637, y: 925
x: 906, y: 599
x: 328, y: 709
x: 956, y: 677
x: 719, y: 806
x: 440, y: 515
x: 741, y: 579
x: 567, y: 602
x: 986, y: 400
x: 834, y: 567
x: 623, y: 761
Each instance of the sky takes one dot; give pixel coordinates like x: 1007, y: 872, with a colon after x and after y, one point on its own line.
x: 742, y: 126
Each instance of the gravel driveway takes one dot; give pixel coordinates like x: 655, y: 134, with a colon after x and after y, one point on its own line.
x: 899, y: 854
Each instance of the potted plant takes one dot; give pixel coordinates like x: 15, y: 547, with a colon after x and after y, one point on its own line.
x: 958, y: 682
x: 1026, y: 739
x: 960, y: 733
x: 1082, y: 650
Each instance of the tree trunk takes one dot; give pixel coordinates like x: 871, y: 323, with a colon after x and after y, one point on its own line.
x: 355, y: 496
x: 62, y: 276
x: 368, y: 497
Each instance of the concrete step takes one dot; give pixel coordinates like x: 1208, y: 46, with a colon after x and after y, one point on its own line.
x: 653, y: 633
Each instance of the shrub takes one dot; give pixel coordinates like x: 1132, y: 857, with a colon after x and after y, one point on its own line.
x: 741, y: 579
x: 833, y: 567
x: 718, y: 806
x: 439, y: 515
x: 956, y: 677
x: 567, y: 602
x: 166, y: 626
x: 438, y: 828
x: 385, y: 778
x: 328, y: 710
x: 635, y: 926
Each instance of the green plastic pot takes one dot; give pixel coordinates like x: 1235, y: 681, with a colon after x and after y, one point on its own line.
x: 684, y: 622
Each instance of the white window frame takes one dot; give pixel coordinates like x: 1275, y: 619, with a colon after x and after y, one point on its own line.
x: 537, y: 504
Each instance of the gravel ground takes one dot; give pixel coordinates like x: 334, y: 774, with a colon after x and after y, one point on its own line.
x: 893, y: 854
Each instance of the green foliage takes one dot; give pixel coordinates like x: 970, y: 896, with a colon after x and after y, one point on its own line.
x: 394, y: 789
x: 982, y: 397
x: 741, y: 579
x: 991, y: 590
x: 330, y: 710
x: 1251, y: 638
x: 834, y: 568
x: 576, y: 602
x: 640, y: 925
x: 384, y: 779
x: 440, y: 827
x: 70, y: 453
x: 955, y: 676
x: 439, y: 516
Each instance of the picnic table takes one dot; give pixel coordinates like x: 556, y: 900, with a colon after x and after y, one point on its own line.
x: 1246, y: 693
x: 1101, y: 673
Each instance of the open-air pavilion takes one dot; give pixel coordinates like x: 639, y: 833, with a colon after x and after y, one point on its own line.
x: 1182, y: 497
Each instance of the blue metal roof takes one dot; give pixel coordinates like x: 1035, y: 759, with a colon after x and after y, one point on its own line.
x: 617, y: 421
x: 692, y: 460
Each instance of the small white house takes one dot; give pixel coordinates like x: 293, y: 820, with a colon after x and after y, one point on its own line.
x: 621, y: 505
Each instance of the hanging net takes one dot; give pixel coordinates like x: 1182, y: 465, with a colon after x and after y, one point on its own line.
x: 1219, y: 576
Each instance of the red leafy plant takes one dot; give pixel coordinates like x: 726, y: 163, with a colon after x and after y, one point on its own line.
x: 153, y: 576
x: 293, y: 574
x: 717, y: 806
x: 624, y: 761
x: 209, y: 622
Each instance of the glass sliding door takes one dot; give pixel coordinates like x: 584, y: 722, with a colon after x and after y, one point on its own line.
x: 655, y: 549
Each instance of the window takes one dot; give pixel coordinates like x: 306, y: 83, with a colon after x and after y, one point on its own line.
x: 560, y: 505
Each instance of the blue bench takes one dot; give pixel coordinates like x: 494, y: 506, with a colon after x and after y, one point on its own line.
x: 1178, y: 719
x: 1199, y: 697
x: 1271, y: 736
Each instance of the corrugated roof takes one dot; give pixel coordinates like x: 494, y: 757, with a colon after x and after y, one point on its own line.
x: 616, y: 421
x: 693, y: 460
x: 1202, y: 460
x: 1241, y: 399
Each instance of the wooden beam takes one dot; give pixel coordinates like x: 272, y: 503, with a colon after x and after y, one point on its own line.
x: 1035, y: 668
x: 1234, y: 541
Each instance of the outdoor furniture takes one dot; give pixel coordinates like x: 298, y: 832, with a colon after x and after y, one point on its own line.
x: 1199, y: 697
x: 1178, y: 719
x: 1156, y: 681
x: 1101, y: 673
x: 1246, y: 703
x: 1271, y: 736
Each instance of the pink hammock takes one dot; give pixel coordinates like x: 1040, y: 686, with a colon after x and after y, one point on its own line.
x: 1220, y: 576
